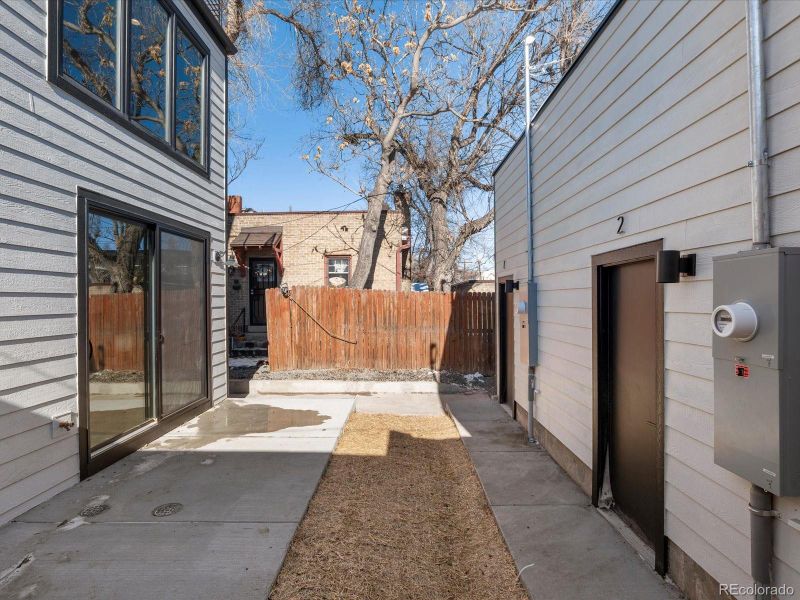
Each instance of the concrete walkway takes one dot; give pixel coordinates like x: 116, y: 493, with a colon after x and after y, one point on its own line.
x: 205, y: 512
x: 562, y: 545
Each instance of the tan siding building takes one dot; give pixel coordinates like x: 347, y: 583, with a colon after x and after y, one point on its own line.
x: 651, y: 125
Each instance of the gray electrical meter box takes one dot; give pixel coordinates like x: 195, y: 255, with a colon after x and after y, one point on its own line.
x: 756, y: 347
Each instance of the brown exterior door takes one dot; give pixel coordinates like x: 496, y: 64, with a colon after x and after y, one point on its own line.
x: 508, y: 368
x: 263, y: 275
x: 633, y: 444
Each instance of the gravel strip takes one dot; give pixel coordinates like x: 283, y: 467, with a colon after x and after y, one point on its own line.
x: 399, y: 513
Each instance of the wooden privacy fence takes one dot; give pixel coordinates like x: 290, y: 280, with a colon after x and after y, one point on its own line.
x: 327, y: 328
x: 116, y: 328
x: 116, y: 332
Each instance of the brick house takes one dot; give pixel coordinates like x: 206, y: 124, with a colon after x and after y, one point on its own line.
x: 302, y: 248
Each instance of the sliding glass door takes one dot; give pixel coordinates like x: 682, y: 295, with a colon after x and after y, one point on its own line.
x: 144, y: 327
x: 118, y: 256
x: 183, y: 321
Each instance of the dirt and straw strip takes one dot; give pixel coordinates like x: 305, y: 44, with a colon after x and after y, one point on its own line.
x: 399, y: 513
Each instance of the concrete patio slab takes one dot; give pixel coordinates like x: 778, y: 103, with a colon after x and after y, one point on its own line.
x: 494, y: 436
x: 146, y: 561
x: 292, y: 441
x: 242, y: 475
x: 312, y: 387
x: 271, y: 416
x: 241, y: 486
x: 527, y: 478
x: 474, y: 407
x: 572, y: 552
x: 563, y: 547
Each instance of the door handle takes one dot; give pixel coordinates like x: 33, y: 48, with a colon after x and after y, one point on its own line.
x: 160, y: 338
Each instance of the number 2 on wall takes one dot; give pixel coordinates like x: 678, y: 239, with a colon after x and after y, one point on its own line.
x: 621, y: 220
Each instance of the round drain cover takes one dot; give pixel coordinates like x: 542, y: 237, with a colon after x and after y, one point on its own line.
x: 93, y: 510
x: 165, y: 510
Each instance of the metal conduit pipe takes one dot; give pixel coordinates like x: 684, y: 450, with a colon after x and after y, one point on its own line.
x: 759, y: 155
x: 761, y: 501
x: 532, y: 299
x: 761, y: 516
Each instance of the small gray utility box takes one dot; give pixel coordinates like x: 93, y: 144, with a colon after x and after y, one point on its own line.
x: 756, y: 347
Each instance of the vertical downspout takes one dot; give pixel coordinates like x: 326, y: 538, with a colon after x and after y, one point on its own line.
x: 532, y: 299
x: 761, y: 501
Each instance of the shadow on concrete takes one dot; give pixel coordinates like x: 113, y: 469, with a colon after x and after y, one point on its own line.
x: 205, y: 512
x: 563, y: 547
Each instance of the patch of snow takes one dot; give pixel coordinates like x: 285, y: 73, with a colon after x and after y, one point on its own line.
x: 73, y: 523
x: 473, y: 377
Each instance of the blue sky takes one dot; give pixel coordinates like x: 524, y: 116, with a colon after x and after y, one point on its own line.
x: 280, y: 179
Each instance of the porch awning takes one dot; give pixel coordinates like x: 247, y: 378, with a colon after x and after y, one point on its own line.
x: 258, y: 237
x: 266, y: 236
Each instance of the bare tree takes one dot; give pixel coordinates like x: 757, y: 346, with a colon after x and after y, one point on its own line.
x: 425, y: 96
x: 116, y: 253
x: 450, y: 156
x: 382, y: 65
x: 429, y: 98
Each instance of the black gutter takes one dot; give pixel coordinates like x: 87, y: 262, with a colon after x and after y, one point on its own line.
x: 589, y: 43
x: 203, y: 12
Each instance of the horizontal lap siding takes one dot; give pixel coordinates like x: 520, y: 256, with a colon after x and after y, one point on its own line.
x: 653, y: 125
x: 51, y: 143
x: 511, y: 253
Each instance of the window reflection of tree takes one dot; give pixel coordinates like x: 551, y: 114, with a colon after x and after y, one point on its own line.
x: 89, y: 57
x: 89, y: 44
x: 116, y: 252
x: 148, y: 64
x: 188, y: 98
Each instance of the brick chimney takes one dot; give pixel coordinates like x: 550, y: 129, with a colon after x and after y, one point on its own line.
x: 234, y: 205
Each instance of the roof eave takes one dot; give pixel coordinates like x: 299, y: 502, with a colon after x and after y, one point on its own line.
x: 589, y: 43
x: 207, y: 17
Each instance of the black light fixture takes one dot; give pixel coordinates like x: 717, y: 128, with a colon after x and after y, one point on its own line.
x: 670, y: 265
x: 509, y: 285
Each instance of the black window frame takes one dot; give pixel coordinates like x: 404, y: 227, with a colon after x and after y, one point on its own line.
x: 121, y: 114
x: 93, y: 461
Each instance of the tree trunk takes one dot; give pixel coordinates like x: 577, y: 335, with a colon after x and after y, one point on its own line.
x: 440, y: 274
x: 370, y: 243
x: 402, y: 203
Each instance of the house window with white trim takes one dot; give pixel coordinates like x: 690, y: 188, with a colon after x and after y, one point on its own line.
x: 337, y: 271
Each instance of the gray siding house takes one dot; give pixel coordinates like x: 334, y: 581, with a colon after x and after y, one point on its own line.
x: 112, y: 229
x: 644, y: 146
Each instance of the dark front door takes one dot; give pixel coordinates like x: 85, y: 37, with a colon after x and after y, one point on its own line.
x: 508, y: 368
x: 505, y: 342
x: 633, y: 443
x: 263, y: 275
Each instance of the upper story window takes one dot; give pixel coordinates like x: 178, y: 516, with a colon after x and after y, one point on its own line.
x: 90, y: 45
x: 145, y: 69
x: 148, y: 65
x: 189, y: 95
